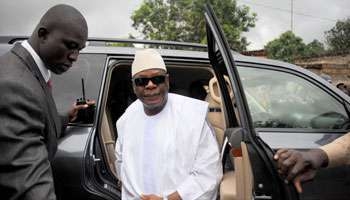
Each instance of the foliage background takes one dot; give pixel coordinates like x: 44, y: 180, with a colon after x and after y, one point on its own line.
x: 183, y: 20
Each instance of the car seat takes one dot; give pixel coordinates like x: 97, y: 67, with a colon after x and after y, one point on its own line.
x: 215, y: 115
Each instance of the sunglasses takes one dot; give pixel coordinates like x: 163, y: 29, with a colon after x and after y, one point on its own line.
x: 144, y: 81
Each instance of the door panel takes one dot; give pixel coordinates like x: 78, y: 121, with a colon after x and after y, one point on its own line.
x: 267, y: 183
x: 68, y: 164
x: 289, y: 111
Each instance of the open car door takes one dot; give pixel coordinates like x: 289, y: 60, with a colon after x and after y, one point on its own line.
x: 253, y: 174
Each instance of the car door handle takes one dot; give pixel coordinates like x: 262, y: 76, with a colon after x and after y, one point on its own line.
x: 95, y: 159
x: 262, y: 197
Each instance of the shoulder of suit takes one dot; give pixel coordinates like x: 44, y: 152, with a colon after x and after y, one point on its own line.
x: 18, y: 85
x: 12, y: 65
x: 16, y: 78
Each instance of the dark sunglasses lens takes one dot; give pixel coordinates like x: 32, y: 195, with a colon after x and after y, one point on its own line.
x: 141, y: 81
x: 158, y: 79
x: 144, y: 81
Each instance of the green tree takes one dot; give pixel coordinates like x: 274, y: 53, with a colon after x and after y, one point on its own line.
x: 183, y: 20
x: 314, y: 48
x: 338, y: 38
x: 286, y: 48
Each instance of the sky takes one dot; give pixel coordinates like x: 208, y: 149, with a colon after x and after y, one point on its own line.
x: 111, y: 18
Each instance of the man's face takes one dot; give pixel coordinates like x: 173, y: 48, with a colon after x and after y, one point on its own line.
x: 60, y: 47
x: 152, y: 93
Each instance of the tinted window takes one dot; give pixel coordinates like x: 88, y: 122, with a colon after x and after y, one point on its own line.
x: 67, y: 87
x: 282, y: 100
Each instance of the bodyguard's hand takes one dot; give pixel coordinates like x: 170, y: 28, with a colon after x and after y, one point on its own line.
x: 299, y: 166
x: 73, y: 113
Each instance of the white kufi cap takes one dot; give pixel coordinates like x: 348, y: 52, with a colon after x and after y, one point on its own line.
x: 147, y: 59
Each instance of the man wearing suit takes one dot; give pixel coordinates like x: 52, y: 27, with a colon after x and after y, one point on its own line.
x: 300, y: 166
x: 29, y: 122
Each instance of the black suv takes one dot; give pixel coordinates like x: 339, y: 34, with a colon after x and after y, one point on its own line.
x: 256, y: 106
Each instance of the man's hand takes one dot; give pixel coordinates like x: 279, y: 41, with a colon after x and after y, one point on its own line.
x: 73, y: 113
x: 173, y: 196
x: 150, y: 197
x: 300, y: 166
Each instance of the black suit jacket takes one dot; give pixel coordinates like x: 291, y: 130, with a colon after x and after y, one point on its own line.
x: 29, y: 128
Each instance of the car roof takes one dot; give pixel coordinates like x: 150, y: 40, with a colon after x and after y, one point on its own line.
x: 199, y: 54
x: 202, y: 55
x: 186, y: 54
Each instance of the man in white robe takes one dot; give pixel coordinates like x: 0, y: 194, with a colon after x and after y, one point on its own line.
x: 165, y: 147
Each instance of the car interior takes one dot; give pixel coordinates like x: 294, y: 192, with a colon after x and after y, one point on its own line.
x: 188, y: 79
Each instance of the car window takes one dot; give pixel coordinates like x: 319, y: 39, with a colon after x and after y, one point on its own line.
x: 67, y: 87
x: 282, y: 100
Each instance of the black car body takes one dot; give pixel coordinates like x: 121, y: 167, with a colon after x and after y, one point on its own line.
x: 274, y: 104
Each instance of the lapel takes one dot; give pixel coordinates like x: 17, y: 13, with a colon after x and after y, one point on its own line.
x: 28, y: 60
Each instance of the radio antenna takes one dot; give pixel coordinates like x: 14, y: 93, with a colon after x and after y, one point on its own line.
x: 83, y: 88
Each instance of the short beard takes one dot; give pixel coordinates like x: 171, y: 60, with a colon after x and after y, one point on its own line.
x: 155, y: 109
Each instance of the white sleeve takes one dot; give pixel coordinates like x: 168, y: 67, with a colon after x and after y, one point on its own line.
x: 118, y: 155
x: 204, y: 179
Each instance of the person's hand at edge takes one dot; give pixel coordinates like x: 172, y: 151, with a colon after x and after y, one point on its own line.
x: 300, y: 166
